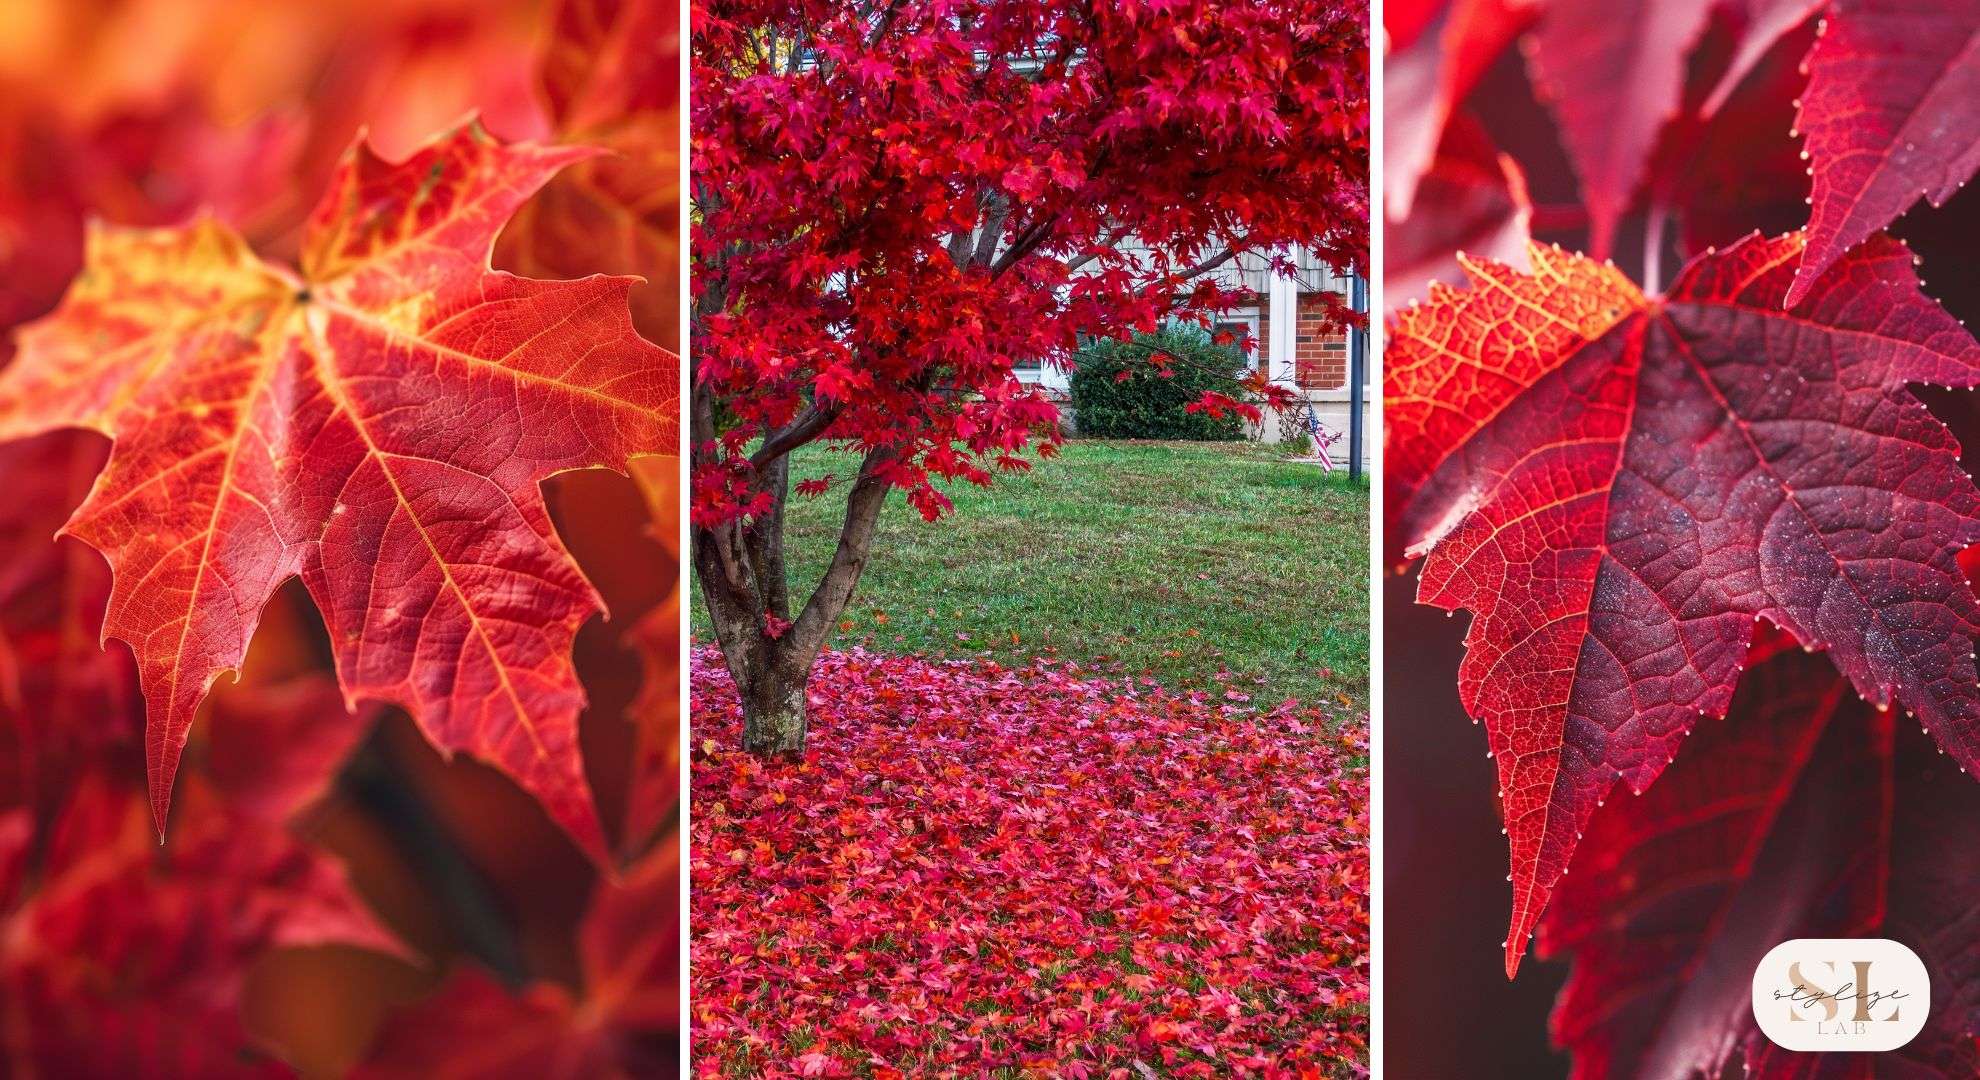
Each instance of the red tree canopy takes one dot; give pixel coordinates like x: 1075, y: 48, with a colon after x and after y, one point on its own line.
x: 898, y: 203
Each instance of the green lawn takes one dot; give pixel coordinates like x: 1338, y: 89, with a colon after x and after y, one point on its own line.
x: 1174, y: 559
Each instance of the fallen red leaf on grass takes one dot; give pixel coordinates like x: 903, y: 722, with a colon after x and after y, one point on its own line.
x: 978, y: 868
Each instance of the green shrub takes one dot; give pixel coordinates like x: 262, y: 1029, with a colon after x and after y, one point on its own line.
x: 1146, y: 405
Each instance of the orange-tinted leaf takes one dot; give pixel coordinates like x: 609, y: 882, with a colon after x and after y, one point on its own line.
x: 140, y: 111
x: 655, y: 784
x: 378, y: 424
x: 610, y: 78
x: 659, y: 480
x: 144, y: 170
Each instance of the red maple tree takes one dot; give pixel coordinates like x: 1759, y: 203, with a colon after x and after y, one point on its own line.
x: 898, y: 203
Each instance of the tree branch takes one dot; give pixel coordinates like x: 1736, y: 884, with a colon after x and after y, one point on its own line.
x: 803, y: 428
x: 1204, y: 267
x: 884, y: 23
x: 1107, y: 243
x: 835, y: 588
x: 1024, y: 243
x: 763, y: 538
x: 993, y: 229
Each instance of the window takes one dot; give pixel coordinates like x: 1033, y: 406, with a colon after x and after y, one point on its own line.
x: 1242, y: 325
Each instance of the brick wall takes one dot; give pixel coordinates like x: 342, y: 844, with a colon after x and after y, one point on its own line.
x: 1320, y: 359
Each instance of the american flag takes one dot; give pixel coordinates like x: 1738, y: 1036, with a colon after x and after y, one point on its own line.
x: 1323, y: 438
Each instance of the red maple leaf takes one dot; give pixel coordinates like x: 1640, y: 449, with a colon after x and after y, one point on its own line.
x: 64, y: 701
x: 1762, y: 24
x: 655, y: 782
x: 140, y: 167
x: 130, y: 959
x: 1217, y: 405
x: 1733, y: 168
x: 1889, y: 114
x: 1620, y: 486
x: 378, y: 424
x: 1803, y: 813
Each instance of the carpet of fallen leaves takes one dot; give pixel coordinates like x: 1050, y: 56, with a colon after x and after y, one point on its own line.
x: 980, y: 870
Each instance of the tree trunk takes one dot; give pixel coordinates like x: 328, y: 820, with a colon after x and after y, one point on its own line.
x: 769, y: 652
x: 772, y: 691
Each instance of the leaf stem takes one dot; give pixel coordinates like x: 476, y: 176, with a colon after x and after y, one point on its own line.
x: 1653, y: 246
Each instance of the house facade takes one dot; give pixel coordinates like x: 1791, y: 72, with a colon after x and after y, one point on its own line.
x: 1281, y: 322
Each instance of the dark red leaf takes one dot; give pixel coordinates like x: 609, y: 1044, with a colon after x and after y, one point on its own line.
x: 1890, y: 114
x: 1614, y: 75
x: 66, y: 702
x: 1620, y: 487
x: 1427, y: 76
x: 1472, y: 201
x: 1802, y: 813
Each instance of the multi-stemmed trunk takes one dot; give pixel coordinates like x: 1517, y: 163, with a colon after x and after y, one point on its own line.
x: 769, y: 648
